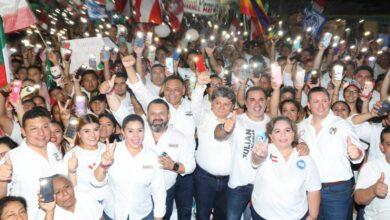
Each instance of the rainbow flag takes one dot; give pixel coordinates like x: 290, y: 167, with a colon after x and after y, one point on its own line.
x: 255, y: 9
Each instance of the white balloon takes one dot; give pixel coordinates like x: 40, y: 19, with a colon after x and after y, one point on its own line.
x: 162, y: 30
x: 192, y: 35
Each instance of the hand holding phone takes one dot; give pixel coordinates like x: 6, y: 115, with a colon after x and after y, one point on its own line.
x: 16, y: 87
x: 338, y: 72
x: 71, y: 130
x: 200, y: 65
x: 326, y: 39
x: 367, y: 89
x: 46, y: 189
x: 276, y: 71
x: 385, y: 108
x: 169, y: 64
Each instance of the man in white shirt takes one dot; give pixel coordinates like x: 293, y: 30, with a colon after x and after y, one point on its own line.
x: 71, y: 203
x: 176, y: 154
x: 155, y: 79
x: 373, y: 183
x: 213, y: 157
x: 363, y: 74
x: 246, y: 131
x: 333, y: 145
x: 35, y: 158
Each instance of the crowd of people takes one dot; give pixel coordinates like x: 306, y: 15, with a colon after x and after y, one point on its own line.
x: 229, y: 128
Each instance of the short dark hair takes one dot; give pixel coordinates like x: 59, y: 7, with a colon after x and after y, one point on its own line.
x: 34, y: 67
x: 254, y: 88
x: 286, y: 89
x: 132, y: 118
x: 158, y: 102
x: 121, y: 74
x: 386, y: 130
x: 4, y: 202
x: 343, y: 102
x: 367, y: 68
x: 35, y: 112
x: 174, y: 77
x: 109, y: 116
x: 8, y: 141
x: 316, y: 90
x: 89, y: 71
x: 271, y: 125
x: 224, y: 92
x: 292, y: 101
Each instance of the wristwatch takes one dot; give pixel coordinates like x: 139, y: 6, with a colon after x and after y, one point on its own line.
x: 176, y: 167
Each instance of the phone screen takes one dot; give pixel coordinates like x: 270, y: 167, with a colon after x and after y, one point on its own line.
x: 200, y: 65
x: 46, y: 189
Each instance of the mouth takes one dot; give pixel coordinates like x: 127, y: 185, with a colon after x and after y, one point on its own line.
x: 53, y: 139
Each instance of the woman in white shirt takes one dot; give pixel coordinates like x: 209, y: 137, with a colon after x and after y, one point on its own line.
x: 287, y: 185
x: 133, y: 173
x: 80, y: 161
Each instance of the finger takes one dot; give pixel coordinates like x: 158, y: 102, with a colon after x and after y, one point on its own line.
x: 73, y: 154
x: 67, y: 104
x: 112, y: 79
x: 234, y: 115
x: 382, y: 178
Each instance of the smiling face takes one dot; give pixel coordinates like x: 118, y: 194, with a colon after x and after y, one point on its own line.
x: 14, y: 211
x: 158, y: 117
x: 341, y: 109
x: 64, y: 193
x: 290, y: 111
x: 282, y: 135
x: 351, y: 94
x: 256, y: 103
x: 173, y: 91
x: 56, y: 134
x: 221, y: 107
x: 319, y: 104
x: 37, y: 132
x: 134, y: 134
x: 89, y: 134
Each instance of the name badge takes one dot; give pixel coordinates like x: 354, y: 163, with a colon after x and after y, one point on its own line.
x: 57, y: 157
x: 147, y: 167
x: 301, y: 164
x: 189, y: 113
x: 173, y: 145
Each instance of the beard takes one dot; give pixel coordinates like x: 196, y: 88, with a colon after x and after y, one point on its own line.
x: 158, y: 125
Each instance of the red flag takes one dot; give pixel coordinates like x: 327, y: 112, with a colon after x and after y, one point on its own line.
x: 147, y: 11
x: 16, y: 15
x: 175, y: 9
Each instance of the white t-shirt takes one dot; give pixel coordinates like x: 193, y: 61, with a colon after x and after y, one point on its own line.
x: 28, y: 166
x: 87, y: 162
x: 378, y: 209
x: 280, y: 187
x: 370, y: 133
x: 245, y: 135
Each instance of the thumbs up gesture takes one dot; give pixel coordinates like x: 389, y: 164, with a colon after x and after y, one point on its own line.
x: 380, y: 187
x: 230, y: 122
x: 108, y: 155
x: 6, y: 169
x: 73, y: 163
x: 107, y: 85
x: 353, y: 151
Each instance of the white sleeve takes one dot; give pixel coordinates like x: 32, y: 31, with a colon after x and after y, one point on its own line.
x: 196, y: 103
x: 367, y: 177
x: 187, y: 157
x: 287, y: 79
x: 159, y: 193
x: 347, y: 131
x: 312, y: 182
x: 143, y: 95
x: 94, y: 182
x: 16, y: 133
x: 121, y: 114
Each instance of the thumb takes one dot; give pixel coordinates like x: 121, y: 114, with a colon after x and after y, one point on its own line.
x: 382, y: 178
x: 73, y: 154
x: 234, y: 115
x: 112, y: 147
x: 112, y: 80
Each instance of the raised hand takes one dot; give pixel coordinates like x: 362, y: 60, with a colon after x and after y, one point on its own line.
x: 380, y: 187
x: 138, y: 50
x: 73, y: 163
x: 128, y: 61
x: 353, y: 151
x: 108, y: 155
x: 64, y: 111
x: 6, y: 169
x: 230, y: 122
x: 259, y: 152
x: 209, y: 51
x: 203, y: 79
x: 107, y: 85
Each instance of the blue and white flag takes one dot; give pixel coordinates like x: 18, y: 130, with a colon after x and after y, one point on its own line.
x: 314, y: 20
x: 95, y: 10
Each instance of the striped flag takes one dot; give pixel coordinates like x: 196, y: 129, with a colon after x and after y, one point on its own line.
x: 5, y: 72
x: 16, y: 15
x: 147, y: 11
x: 255, y: 9
x: 175, y: 10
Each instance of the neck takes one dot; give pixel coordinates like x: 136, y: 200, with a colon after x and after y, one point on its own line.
x: 40, y: 150
x: 133, y: 150
x: 72, y: 207
x: 157, y: 135
x: 317, y: 119
x: 285, y: 151
x: 254, y: 117
x: 177, y: 104
x: 88, y: 147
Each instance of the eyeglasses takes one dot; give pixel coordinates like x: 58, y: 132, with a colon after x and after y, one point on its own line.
x: 351, y: 92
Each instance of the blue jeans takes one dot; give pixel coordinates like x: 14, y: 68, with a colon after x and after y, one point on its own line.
x: 169, y: 202
x: 184, y: 196
x: 149, y: 217
x: 210, y: 192
x: 256, y: 216
x: 237, y: 200
x: 336, y: 201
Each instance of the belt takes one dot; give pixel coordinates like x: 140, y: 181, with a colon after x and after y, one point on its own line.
x: 211, y: 175
x: 333, y: 183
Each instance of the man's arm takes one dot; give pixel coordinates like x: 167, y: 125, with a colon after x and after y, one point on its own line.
x: 313, y: 200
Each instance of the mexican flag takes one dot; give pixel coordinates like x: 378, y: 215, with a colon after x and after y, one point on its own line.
x: 4, y: 64
x: 16, y: 15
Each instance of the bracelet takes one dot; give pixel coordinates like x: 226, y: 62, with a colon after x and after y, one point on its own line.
x: 104, y: 166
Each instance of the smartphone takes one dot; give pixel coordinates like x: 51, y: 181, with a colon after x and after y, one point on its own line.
x: 200, y: 65
x: 385, y: 108
x: 368, y: 87
x: 71, y: 130
x: 80, y: 70
x: 163, y: 154
x: 300, y: 76
x: 210, y: 43
x: 92, y: 62
x: 296, y: 44
x: 169, y: 64
x: 81, y: 105
x: 67, y: 54
x: 371, y: 62
x: 149, y: 37
x: 276, y: 71
x: 46, y: 189
x: 122, y: 40
x: 326, y: 39
x: 338, y: 72
x: 139, y: 40
x: 152, y: 53
x: 314, y: 76
x: 16, y: 87
x: 106, y: 53
x: 245, y: 72
x: 176, y: 54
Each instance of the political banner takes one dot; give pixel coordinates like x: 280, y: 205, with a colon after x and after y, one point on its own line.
x: 201, y: 7
x: 315, y: 20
